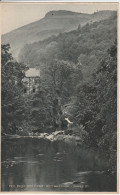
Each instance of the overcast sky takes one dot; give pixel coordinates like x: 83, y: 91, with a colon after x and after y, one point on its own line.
x: 15, y: 15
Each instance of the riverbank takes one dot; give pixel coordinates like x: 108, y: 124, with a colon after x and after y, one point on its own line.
x: 61, y: 142
x: 67, y: 136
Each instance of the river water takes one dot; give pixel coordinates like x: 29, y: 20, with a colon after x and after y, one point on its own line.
x: 32, y: 164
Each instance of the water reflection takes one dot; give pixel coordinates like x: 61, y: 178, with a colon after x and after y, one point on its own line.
x: 30, y: 164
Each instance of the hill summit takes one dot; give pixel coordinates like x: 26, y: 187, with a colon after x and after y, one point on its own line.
x: 53, y: 23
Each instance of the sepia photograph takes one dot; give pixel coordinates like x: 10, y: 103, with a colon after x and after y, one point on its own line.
x: 59, y: 97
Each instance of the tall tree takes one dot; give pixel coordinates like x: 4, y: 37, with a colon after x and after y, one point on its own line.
x: 12, y: 74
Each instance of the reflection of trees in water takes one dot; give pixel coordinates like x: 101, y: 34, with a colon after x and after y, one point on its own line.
x: 41, y: 162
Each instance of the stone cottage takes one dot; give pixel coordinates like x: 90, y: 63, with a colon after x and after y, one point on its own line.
x: 31, y: 81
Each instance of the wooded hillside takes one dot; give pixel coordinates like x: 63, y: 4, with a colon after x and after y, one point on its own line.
x: 79, y: 69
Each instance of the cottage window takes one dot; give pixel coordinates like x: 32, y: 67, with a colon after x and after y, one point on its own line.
x: 33, y: 90
x: 25, y: 90
x: 36, y: 81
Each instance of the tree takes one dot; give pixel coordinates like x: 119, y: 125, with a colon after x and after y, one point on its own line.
x: 12, y: 74
x: 96, y: 107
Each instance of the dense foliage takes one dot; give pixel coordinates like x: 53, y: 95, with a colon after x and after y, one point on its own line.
x: 78, y: 80
x: 86, y: 45
x: 11, y: 101
x: 97, y: 106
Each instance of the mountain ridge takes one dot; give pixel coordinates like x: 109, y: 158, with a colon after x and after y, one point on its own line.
x: 61, y: 21
x: 86, y: 46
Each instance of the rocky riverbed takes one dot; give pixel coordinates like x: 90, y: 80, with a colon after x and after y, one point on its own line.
x: 67, y: 136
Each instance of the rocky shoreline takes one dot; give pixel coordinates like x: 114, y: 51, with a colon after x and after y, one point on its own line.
x: 66, y: 136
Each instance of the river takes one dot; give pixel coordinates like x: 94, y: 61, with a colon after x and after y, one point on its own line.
x: 32, y: 164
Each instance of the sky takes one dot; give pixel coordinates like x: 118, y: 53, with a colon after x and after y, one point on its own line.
x: 15, y: 15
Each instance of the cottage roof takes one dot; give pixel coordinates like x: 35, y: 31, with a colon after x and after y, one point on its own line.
x: 32, y: 72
